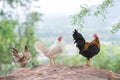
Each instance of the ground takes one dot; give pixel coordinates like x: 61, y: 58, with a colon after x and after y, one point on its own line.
x: 60, y: 72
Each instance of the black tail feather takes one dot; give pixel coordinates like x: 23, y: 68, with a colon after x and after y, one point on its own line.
x: 79, y: 40
x: 15, y: 52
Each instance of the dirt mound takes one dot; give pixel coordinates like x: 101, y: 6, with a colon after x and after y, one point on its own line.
x: 60, y: 72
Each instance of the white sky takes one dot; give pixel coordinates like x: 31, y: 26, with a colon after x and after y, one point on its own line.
x: 60, y: 7
x: 63, y: 7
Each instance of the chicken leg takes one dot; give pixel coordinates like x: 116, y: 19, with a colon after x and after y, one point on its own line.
x: 50, y: 61
x: 88, y: 63
x: 54, y: 60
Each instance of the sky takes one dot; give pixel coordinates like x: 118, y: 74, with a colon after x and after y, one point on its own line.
x: 53, y: 9
x: 63, y: 7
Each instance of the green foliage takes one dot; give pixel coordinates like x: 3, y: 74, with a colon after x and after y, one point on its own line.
x: 6, y: 69
x: 15, y: 32
x: 28, y: 35
x: 30, y: 40
x: 116, y: 27
x: 101, y: 9
x: 7, y: 39
x: 13, y: 5
x: 108, y: 59
x: 33, y: 17
x: 78, y: 19
x: 72, y: 60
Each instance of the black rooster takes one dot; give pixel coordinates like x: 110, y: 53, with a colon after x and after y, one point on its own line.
x: 87, y: 49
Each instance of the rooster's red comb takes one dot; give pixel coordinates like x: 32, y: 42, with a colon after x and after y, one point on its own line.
x: 95, y: 35
x: 59, y: 38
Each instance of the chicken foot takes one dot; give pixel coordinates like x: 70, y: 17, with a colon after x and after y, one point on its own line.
x: 53, y: 60
x: 88, y: 63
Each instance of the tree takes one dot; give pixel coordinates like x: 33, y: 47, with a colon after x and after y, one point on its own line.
x: 100, y: 10
x: 7, y: 39
x: 28, y: 38
x: 17, y: 22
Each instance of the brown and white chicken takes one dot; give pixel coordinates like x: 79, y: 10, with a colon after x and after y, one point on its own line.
x: 52, y: 52
x: 21, y: 58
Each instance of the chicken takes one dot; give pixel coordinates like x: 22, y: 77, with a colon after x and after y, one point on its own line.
x: 52, y: 52
x: 87, y: 49
x: 21, y: 59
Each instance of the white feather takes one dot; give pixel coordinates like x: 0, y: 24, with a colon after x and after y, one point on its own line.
x: 51, y: 52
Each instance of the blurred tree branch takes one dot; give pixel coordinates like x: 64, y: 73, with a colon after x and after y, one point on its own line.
x: 115, y: 27
x: 100, y: 10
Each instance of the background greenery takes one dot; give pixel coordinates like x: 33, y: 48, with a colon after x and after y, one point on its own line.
x: 15, y: 32
x: 108, y: 59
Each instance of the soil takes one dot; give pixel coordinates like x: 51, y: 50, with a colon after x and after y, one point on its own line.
x: 61, y: 72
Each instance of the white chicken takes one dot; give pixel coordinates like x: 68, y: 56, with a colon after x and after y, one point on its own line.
x: 21, y: 59
x: 52, y: 52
